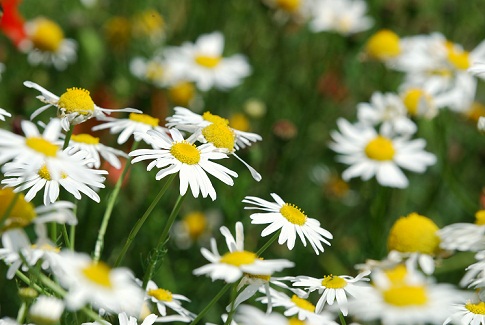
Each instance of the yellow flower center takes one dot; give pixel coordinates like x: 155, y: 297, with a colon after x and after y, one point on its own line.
x: 154, y: 71
x: 45, y: 174
x: 480, y: 218
x: 413, y: 98
x: 414, y: 233
x: 47, y: 35
x: 182, y: 93
x: 22, y: 213
x: 214, y: 118
x: 185, y: 152
x: 220, y: 135
x: 333, y: 282
x: 239, y: 258
x: 295, y: 321
x: 84, y: 138
x: 288, y: 5
x: 302, y: 303
x: 404, y: 295
x: 293, y: 214
x: 43, y: 146
x: 206, y: 61
x: 380, y: 148
x: 98, y: 273
x: 161, y: 294
x: 458, y: 58
x: 195, y: 223
x: 76, y: 100
x: 397, y: 275
x: 383, y: 45
x: 144, y: 118
x: 258, y: 276
x: 239, y: 122
x: 147, y: 23
x: 47, y: 247
x: 478, y: 309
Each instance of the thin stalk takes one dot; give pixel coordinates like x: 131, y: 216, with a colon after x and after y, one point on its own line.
x: 22, y: 313
x: 342, y: 319
x: 65, y: 235
x: 27, y: 281
x: 233, y: 299
x: 211, y: 303
x: 109, y: 209
x: 72, y: 236
x: 161, y: 242
x: 268, y: 243
x: 142, y: 220
x: 9, y: 209
x: 67, y: 137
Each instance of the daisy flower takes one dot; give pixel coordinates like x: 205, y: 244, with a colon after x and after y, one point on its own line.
x: 296, y: 10
x: 177, y: 155
x: 46, y: 310
x: 136, y: 124
x: 164, y: 299
x: 196, y: 227
x: 231, y: 266
x: 384, y: 45
x: 290, y: 219
x: 371, y: 154
x: 4, y: 113
x: 124, y: 320
x: 422, y: 102
x: 95, y: 149
x: 204, y: 64
x: 475, y: 273
x: 333, y: 287
x: 345, y: 17
x: 155, y: 71
x: 388, y: 111
x: 47, y: 45
x: 464, y: 236
x: 96, y: 283
x: 467, y: 314
x: 74, y: 106
x: 247, y: 314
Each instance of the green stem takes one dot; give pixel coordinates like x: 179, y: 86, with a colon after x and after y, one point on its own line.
x: 342, y: 319
x: 67, y: 137
x: 109, y: 209
x: 22, y: 313
x: 155, y: 256
x: 211, y: 303
x: 233, y: 299
x: 66, y: 236
x: 27, y: 281
x: 72, y: 236
x: 53, y: 227
x: 268, y: 243
x: 141, y: 221
x: 9, y: 209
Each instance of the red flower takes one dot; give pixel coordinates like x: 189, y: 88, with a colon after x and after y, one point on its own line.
x: 11, y: 22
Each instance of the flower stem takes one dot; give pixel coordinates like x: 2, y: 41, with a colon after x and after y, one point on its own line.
x: 211, y: 303
x: 66, y: 236
x: 342, y: 319
x: 109, y: 209
x: 141, y: 221
x: 67, y: 137
x: 9, y: 209
x: 157, y: 253
x: 233, y: 299
x: 22, y: 313
x: 268, y: 243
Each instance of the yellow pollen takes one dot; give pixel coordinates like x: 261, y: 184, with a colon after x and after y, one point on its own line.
x: 22, y: 213
x: 383, y: 45
x: 144, y: 118
x: 293, y: 214
x: 295, y: 321
x: 258, y: 276
x: 182, y: 93
x: 220, y: 135
x: 414, y: 233
x: 98, y: 273
x: 333, y: 282
x: 214, y: 118
x: 413, y: 98
x: 47, y: 35
x: 206, y: 61
x: 397, y: 275
x: 185, y: 152
x: 239, y: 122
x: 76, y: 100
x: 380, y: 148
x: 161, y: 294
x: 239, y: 258
x: 302, y: 303
x: 458, y: 58
x: 288, y: 5
x: 84, y: 138
x: 478, y: 309
x: 480, y: 218
x: 404, y: 295
x: 43, y: 146
x: 195, y: 223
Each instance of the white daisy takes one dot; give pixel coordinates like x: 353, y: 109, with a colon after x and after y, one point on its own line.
x: 388, y: 111
x: 333, y: 287
x: 469, y: 313
x: 371, y: 154
x: 96, y: 283
x: 46, y: 44
x: 124, y: 320
x: 296, y: 10
x: 475, y: 273
x: 204, y: 64
x: 290, y: 219
x: 342, y: 16
x: 231, y: 266
x: 247, y: 314
x: 4, y: 113
x: 46, y: 310
x: 464, y: 236
x: 155, y: 71
x: 177, y: 155
x: 477, y: 68
x: 136, y: 124
x: 74, y: 106
x: 95, y: 149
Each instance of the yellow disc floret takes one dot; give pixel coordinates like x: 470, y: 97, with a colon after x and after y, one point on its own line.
x: 76, y: 100
x: 288, y: 5
x: 239, y: 258
x: 480, y: 218
x: 458, y: 58
x: 414, y: 233
x: 144, y: 118
x: 85, y: 138
x: 214, y: 118
x: 161, y: 294
x: 293, y: 214
x: 383, y: 45
x: 43, y: 146
x: 46, y: 35
x: 182, y: 93
x: 333, y: 282
x: 380, y: 148
x: 413, y: 99
x: 397, y: 275
x: 477, y: 309
x: 195, y: 223
x: 220, y: 135
x: 21, y: 214
x: 265, y: 278
x: 406, y: 295
x: 302, y: 303
x: 239, y: 122
x: 206, y: 61
x: 295, y: 321
x: 98, y: 273
x: 185, y: 152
